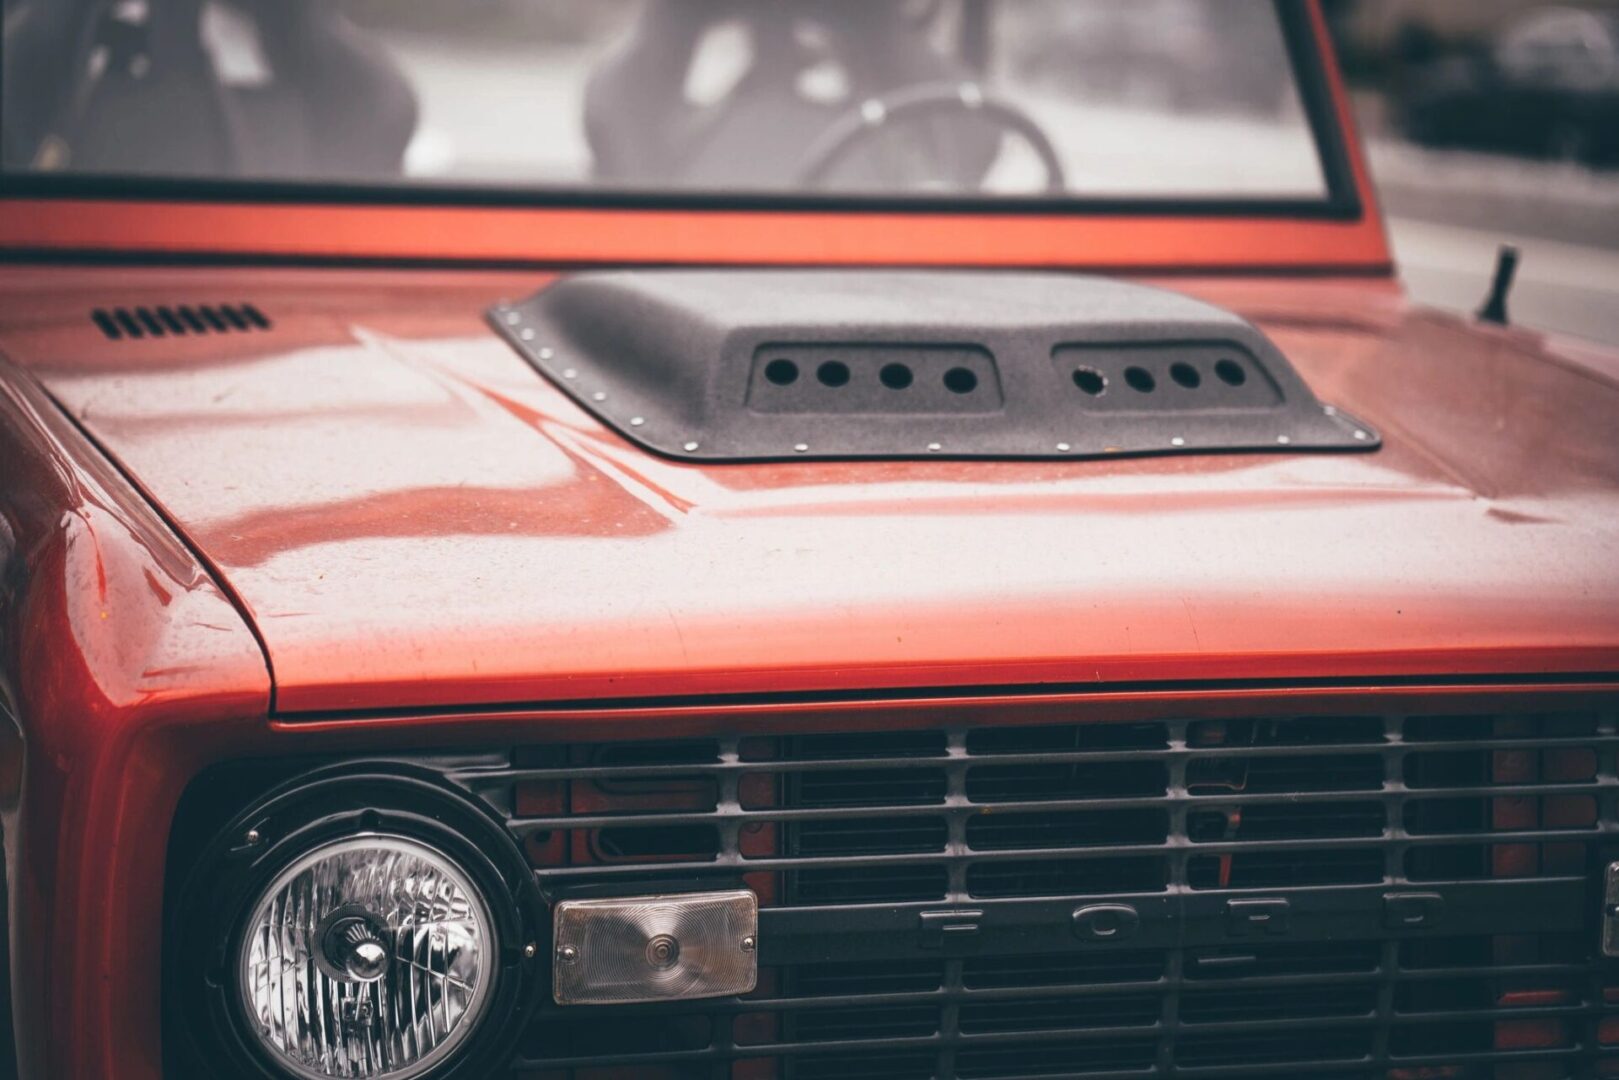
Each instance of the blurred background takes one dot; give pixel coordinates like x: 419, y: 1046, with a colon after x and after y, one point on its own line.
x: 1492, y: 121
x: 1486, y: 121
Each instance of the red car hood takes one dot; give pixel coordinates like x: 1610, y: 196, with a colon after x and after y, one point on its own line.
x: 412, y: 518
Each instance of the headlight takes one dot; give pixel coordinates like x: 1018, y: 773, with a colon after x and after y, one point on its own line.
x: 359, y: 920
x: 372, y: 956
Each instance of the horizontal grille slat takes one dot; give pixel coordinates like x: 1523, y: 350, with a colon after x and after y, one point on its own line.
x: 1230, y: 1003
x: 501, y: 777
x: 1496, y: 825
x: 1117, y: 1011
x: 1309, y: 853
x: 534, y: 824
x: 876, y: 993
x: 1072, y: 970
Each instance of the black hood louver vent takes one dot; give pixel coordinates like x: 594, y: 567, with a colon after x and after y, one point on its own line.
x: 763, y: 365
x: 138, y: 323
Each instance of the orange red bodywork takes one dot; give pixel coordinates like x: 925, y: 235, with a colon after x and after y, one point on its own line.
x: 581, y: 587
x: 226, y: 546
x: 322, y: 472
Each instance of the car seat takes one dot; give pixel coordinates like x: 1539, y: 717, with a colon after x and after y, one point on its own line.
x: 144, y: 95
x: 643, y: 129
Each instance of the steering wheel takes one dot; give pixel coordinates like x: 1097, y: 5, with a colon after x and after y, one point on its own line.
x: 872, y: 117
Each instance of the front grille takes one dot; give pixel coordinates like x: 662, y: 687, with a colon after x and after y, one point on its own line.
x: 1399, y: 898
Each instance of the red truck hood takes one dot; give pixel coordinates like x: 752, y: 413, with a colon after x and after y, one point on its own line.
x: 412, y: 518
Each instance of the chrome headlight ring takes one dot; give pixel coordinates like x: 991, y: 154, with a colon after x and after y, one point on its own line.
x: 358, y: 921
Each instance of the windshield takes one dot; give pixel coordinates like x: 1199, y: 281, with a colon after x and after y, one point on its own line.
x: 921, y: 99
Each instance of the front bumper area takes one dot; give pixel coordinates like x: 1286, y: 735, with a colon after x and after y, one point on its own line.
x: 1359, y: 883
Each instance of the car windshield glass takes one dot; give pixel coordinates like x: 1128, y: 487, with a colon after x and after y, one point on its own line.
x: 920, y: 99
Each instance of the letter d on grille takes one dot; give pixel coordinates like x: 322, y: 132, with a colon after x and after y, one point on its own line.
x: 655, y: 948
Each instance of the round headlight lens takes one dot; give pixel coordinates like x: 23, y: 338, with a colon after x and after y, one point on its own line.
x: 367, y: 957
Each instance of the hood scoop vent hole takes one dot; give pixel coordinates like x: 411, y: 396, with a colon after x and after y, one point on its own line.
x: 874, y: 380
x: 765, y: 365
x: 184, y: 320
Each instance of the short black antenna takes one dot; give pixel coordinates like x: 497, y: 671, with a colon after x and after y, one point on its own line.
x: 1495, y: 305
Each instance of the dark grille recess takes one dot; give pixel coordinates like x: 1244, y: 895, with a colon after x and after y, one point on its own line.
x: 1399, y: 898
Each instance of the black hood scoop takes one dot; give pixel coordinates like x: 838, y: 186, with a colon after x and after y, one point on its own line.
x: 760, y: 365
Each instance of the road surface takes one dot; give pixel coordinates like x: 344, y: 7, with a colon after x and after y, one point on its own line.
x: 1570, y: 288
x: 1448, y: 212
